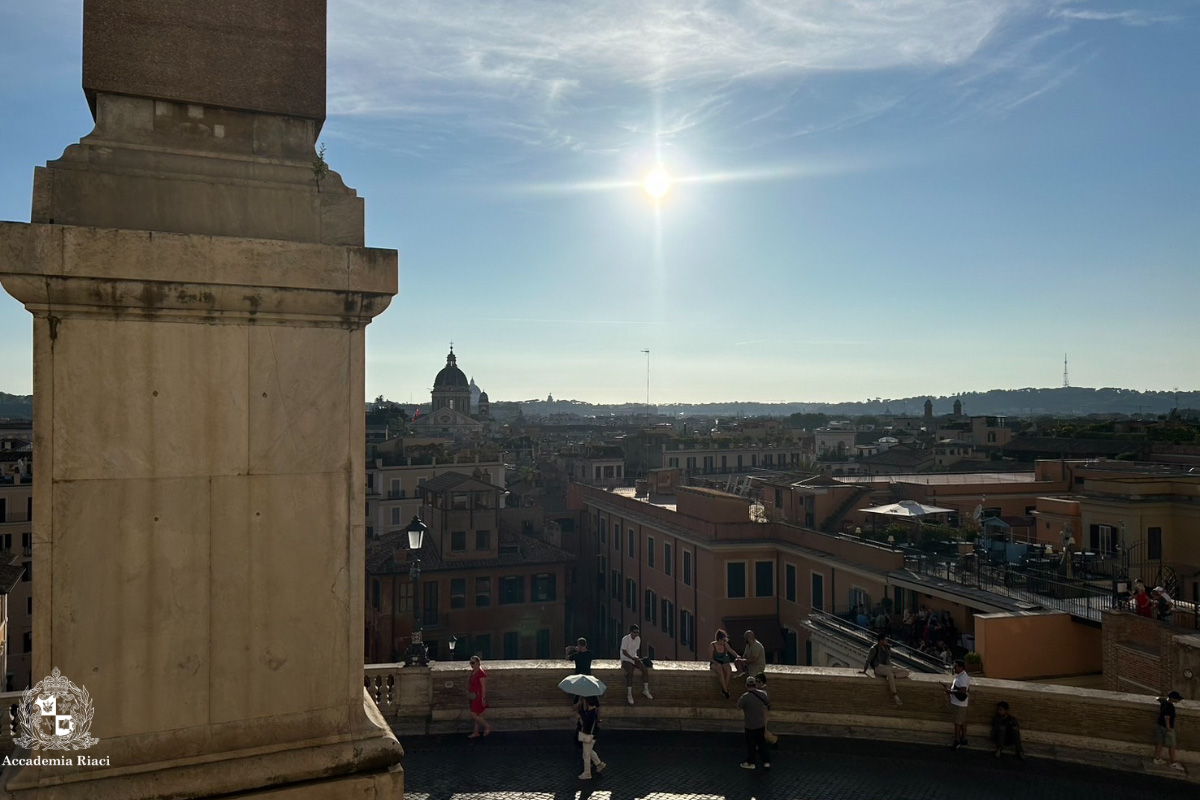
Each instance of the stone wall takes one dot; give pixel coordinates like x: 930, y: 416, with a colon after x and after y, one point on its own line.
x: 1059, y: 722
x: 1139, y: 655
x: 1031, y: 645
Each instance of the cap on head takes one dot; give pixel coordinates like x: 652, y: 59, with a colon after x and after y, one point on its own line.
x: 634, y: 629
x: 1174, y: 696
x: 750, y: 682
x: 883, y: 637
x: 1158, y: 588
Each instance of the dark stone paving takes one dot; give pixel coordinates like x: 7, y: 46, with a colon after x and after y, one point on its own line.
x: 698, y: 766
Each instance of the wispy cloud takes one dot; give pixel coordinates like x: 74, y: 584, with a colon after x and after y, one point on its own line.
x: 593, y: 77
x: 1137, y: 18
x: 585, y: 75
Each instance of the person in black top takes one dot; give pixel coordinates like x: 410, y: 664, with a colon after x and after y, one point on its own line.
x: 581, y: 656
x: 1166, y: 730
x: 586, y: 731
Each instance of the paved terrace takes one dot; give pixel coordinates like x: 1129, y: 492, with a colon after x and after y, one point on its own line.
x: 842, y: 737
x: 704, y: 766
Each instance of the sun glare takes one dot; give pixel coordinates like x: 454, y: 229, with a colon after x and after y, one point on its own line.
x: 657, y: 183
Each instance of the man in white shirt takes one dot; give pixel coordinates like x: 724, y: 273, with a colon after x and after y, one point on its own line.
x: 959, y: 692
x: 1163, y: 604
x: 631, y: 661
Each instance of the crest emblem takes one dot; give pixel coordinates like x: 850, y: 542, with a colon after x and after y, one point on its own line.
x: 56, y: 715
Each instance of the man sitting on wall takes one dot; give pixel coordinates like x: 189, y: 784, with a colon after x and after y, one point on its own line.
x: 1006, y: 731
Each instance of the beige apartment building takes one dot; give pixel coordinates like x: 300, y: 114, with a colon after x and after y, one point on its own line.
x: 392, y: 496
x: 495, y: 591
x: 716, y: 460
x: 682, y: 569
x: 1149, y: 512
x: 16, y: 577
x: 836, y: 503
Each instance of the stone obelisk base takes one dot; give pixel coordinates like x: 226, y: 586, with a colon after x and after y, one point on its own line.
x: 199, y: 526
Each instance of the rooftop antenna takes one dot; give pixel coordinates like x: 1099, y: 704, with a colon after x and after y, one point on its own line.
x: 647, y: 352
x: 1066, y: 380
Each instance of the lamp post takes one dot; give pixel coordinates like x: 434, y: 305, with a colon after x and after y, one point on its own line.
x: 453, y: 643
x: 416, y: 537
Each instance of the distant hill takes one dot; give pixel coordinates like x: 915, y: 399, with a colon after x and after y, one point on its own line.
x: 1061, y: 402
x: 16, y: 406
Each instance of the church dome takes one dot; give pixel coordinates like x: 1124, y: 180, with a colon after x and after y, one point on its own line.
x: 451, y: 377
x: 483, y: 398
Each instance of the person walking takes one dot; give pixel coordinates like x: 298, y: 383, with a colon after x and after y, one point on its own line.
x: 1166, y: 730
x: 754, y: 704
x: 723, y: 659
x: 959, y: 692
x: 1006, y: 730
x: 879, y: 660
x: 587, y: 729
x: 630, y: 660
x: 477, y: 694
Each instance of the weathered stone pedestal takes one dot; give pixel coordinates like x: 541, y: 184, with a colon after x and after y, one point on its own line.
x: 200, y: 296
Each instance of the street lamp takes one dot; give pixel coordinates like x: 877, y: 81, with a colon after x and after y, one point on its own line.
x: 417, y: 656
x: 453, y: 643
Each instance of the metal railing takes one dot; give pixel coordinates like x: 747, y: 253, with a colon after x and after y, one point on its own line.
x: 1088, y: 593
x: 851, y: 632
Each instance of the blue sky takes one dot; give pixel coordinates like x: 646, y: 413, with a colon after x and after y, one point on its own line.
x: 873, y: 199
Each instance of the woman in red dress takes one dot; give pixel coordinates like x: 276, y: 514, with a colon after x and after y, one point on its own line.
x: 477, y: 692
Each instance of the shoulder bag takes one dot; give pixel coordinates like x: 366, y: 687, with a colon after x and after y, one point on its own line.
x: 588, y: 736
x: 767, y: 735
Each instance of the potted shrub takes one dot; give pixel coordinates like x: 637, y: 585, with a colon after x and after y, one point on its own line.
x: 974, y: 663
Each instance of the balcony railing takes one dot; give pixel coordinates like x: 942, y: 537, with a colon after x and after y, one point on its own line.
x: 1037, y: 582
x: 843, y: 627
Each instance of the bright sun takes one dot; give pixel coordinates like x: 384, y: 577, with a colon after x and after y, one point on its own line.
x: 657, y: 183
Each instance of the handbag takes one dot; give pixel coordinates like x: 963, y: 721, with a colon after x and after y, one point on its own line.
x: 648, y: 663
x: 587, y: 737
x: 770, y: 737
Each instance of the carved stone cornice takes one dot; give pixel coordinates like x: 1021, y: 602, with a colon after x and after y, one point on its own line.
x: 63, y: 270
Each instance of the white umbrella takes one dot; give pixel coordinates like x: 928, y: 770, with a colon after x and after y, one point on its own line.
x: 583, y: 685
x: 907, y: 508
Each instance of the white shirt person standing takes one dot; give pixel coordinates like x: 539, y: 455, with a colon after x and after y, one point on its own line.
x: 959, y: 692
x: 630, y: 661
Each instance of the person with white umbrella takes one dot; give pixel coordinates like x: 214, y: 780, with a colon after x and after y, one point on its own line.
x: 588, y: 688
x: 589, y: 726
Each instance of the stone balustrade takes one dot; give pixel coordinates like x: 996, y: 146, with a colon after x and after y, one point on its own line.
x: 1059, y: 722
